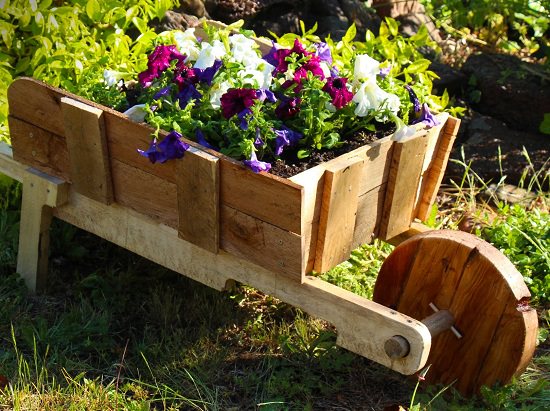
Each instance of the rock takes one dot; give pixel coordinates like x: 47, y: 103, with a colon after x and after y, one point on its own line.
x: 513, y: 91
x: 481, y: 139
x: 450, y: 79
x: 173, y: 20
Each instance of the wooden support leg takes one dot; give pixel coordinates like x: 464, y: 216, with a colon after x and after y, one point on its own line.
x: 40, y: 193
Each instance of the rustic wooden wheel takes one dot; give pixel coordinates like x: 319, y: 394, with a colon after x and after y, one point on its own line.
x: 494, y: 328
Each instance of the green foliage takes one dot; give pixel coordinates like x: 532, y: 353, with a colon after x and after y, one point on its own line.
x: 508, y: 25
x: 545, y: 125
x: 68, y: 43
x: 524, y: 237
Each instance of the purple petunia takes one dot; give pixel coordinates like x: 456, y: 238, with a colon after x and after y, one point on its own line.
x: 426, y: 117
x: 207, y: 75
x: 258, y: 142
x: 413, y: 98
x: 171, y: 147
x: 163, y: 92
x: 384, y: 71
x: 242, y: 118
x: 235, y: 100
x: 159, y: 61
x: 323, y: 52
x: 186, y: 94
x: 199, y: 135
x: 288, y: 108
x: 285, y: 137
x: 336, y: 87
x: 265, y: 94
x: 255, y: 165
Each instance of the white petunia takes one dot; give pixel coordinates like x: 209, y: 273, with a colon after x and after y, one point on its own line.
x: 217, y: 91
x: 209, y: 54
x: 403, y: 131
x: 112, y: 77
x: 243, y: 49
x: 187, y: 43
x: 365, y: 67
x: 136, y: 113
x: 371, y: 97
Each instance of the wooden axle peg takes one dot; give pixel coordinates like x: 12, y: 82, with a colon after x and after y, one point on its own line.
x: 398, y: 346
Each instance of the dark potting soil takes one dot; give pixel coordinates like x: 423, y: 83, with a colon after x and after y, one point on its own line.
x: 289, y: 165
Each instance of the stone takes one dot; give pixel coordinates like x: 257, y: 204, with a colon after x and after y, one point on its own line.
x: 511, y: 90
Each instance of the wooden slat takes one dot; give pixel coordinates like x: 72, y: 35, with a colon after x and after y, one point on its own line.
x: 88, y: 153
x: 406, y: 166
x: 261, y: 243
x: 434, y: 175
x: 198, y: 199
x: 39, y: 148
x: 369, y: 213
x: 338, y: 212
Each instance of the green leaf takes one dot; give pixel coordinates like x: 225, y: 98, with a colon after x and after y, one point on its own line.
x: 393, y: 26
x: 140, y: 24
x: 418, y: 66
x: 545, y: 125
x: 93, y: 10
x: 350, y: 34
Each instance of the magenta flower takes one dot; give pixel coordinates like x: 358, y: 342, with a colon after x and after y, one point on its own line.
x: 426, y: 117
x: 171, y: 147
x: 158, y: 61
x: 338, y: 91
x: 285, y: 137
x: 278, y: 57
x: 255, y: 165
x: 288, y: 108
x: 235, y: 100
x: 184, y: 75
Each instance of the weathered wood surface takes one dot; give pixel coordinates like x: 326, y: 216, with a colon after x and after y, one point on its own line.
x: 88, y: 154
x: 405, y: 173
x: 338, y: 213
x: 483, y: 291
x: 198, y: 184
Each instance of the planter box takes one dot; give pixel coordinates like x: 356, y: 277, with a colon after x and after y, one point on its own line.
x: 292, y: 226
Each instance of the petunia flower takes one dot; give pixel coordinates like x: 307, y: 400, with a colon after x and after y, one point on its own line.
x: 288, y: 108
x: 365, y: 67
x: 322, y: 50
x: 258, y: 142
x: 337, y: 89
x: 136, y: 113
x: 186, y: 94
x: 402, y: 131
x: 169, y: 148
x: 199, y: 135
x: 413, y: 98
x: 158, y: 61
x: 371, y: 97
x: 187, y: 43
x: 243, y: 49
x: 235, y: 100
x: 384, y: 71
x: 265, y: 94
x: 209, y: 54
x: 112, y: 77
x: 426, y: 117
x: 270, y: 57
x: 285, y: 137
x: 184, y: 75
x: 255, y: 165
x: 207, y: 75
x: 163, y: 92
x: 242, y: 116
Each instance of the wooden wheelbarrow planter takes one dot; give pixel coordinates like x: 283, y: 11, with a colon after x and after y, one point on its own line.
x: 211, y: 219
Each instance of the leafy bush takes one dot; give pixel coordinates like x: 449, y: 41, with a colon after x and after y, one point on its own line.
x: 524, y: 237
x: 65, y: 44
x: 509, y: 25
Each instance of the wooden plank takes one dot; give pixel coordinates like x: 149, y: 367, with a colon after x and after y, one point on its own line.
x: 88, y: 154
x: 9, y: 166
x: 436, y: 169
x: 40, y: 193
x: 39, y: 148
x: 261, y: 243
x: 363, y: 326
x: 338, y: 212
x: 198, y: 199
x: 406, y: 164
x: 369, y: 213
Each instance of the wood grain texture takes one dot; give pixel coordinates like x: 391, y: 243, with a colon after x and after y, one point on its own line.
x: 431, y: 179
x: 482, y: 290
x: 406, y: 167
x: 198, y: 185
x: 88, y: 153
x: 338, y: 213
